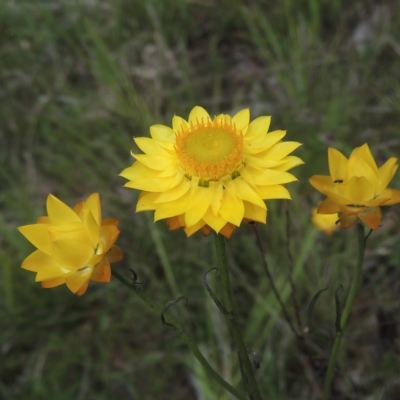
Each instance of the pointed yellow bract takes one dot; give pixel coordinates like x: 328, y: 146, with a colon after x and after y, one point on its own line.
x: 208, y: 174
x: 356, y: 187
x: 73, y: 245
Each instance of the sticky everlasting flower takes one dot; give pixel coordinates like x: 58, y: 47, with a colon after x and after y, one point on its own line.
x: 211, y: 174
x: 356, y: 187
x: 326, y: 223
x: 73, y: 245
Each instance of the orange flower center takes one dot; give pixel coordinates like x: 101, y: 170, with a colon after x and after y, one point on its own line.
x: 209, y: 149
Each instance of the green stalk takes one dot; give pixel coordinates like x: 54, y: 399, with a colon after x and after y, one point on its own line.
x: 162, y: 254
x: 346, y: 312
x: 229, y: 308
x: 184, y: 336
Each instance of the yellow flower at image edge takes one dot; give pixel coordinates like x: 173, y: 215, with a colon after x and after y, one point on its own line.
x: 356, y: 187
x: 326, y: 223
x: 211, y: 174
x: 74, y: 246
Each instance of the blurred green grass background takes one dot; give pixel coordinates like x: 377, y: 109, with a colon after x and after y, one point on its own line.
x: 79, y: 79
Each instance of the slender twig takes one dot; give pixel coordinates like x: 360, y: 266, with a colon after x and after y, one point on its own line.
x: 229, y: 307
x: 162, y: 254
x: 159, y: 311
x: 291, y: 281
x: 272, y: 282
x: 346, y: 312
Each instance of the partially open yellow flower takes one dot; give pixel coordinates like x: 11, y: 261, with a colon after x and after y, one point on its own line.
x: 74, y: 245
x: 326, y: 223
x: 211, y: 174
x: 356, y: 187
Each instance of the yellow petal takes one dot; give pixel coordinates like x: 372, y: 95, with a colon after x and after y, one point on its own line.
x: 198, y: 204
x: 241, y: 120
x: 59, y: 212
x: 217, y: 195
x: 79, y: 280
x: 52, y: 283
x: 138, y: 171
x: 260, y: 162
x: 223, y: 118
x: 327, y: 206
x: 358, y: 167
x: 93, y: 204
x: 394, y: 197
x: 71, y: 253
x: 321, y: 182
x: 38, y: 235
x: 258, y: 127
x: 326, y: 223
x: 262, y: 143
x: 232, y: 209
x: 280, y: 150
x: 386, y: 173
x: 150, y: 147
x: 190, y: 230
x: 273, y: 192
x: 337, y: 165
x: 245, y: 192
x: 51, y: 271
x: 146, y: 201
x: 365, y: 154
x: 198, y: 115
x: 179, y: 123
x: 172, y: 208
x: 357, y: 190
x: 92, y: 226
x: 266, y: 177
x: 108, y: 236
x: 157, y: 163
x: 289, y: 162
x: 173, y: 193
x: 162, y: 133
x: 37, y: 260
x: 152, y: 184
x: 70, y: 230
x: 254, y: 213
x: 214, y: 221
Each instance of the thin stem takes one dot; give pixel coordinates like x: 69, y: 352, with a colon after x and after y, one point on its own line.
x: 291, y: 281
x: 229, y: 308
x: 162, y: 254
x: 346, y: 312
x: 184, y: 336
x: 272, y: 283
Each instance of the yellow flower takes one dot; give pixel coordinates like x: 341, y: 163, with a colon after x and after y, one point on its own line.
x: 211, y: 174
x: 356, y: 187
x: 326, y: 223
x: 74, y: 245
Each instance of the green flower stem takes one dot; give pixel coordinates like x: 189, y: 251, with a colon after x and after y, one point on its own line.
x: 184, y: 336
x: 346, y: 312
x: 162, y: 254
x: 228, y: 303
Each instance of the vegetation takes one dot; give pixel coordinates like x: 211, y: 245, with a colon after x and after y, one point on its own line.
x: 79, y: 79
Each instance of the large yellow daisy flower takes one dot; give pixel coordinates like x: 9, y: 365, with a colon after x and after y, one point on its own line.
x: 211, y: 174
x: 356, y: 187
x: 74, y: 245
